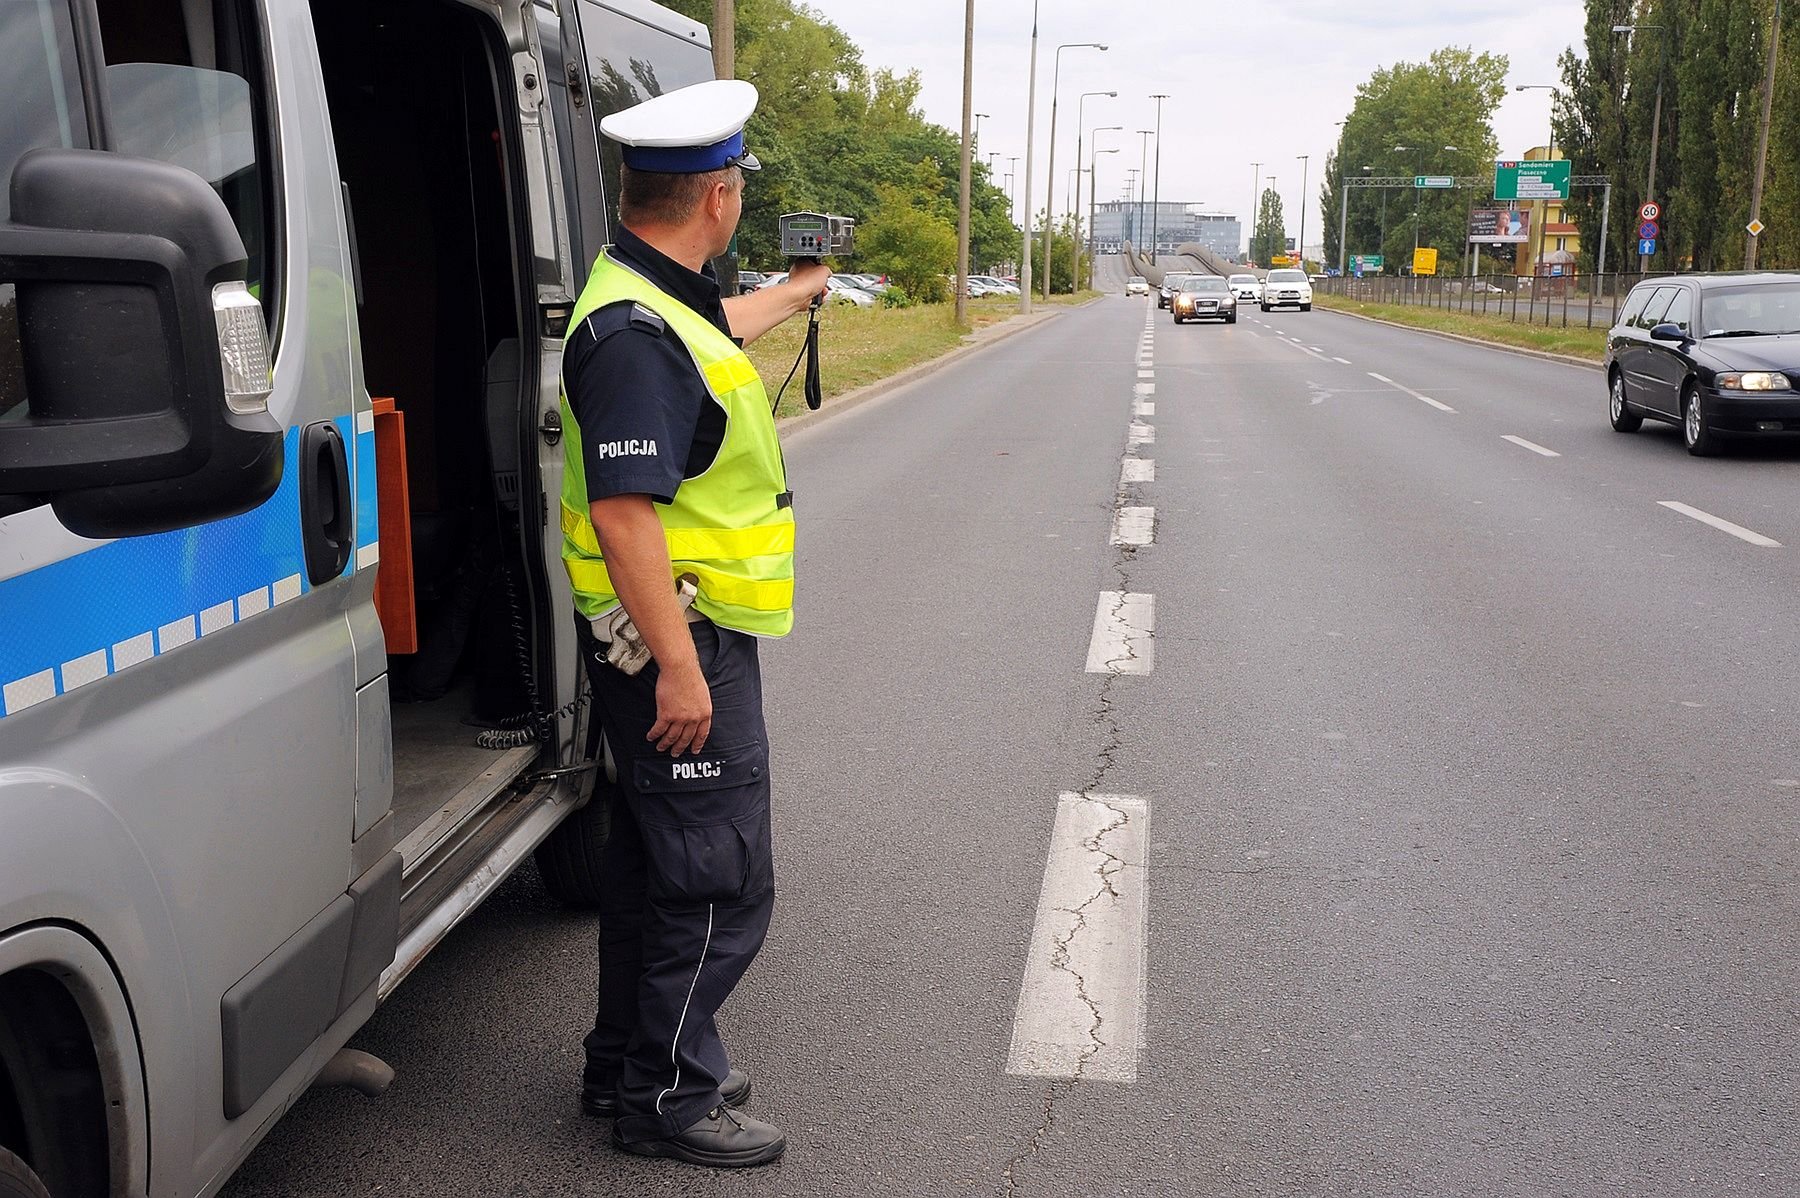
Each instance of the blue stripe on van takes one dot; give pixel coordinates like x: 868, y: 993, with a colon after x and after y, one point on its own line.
x: 76, y: 620
x: 368, y: 504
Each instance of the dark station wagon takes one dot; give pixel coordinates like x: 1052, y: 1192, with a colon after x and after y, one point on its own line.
x: 1718, y: 355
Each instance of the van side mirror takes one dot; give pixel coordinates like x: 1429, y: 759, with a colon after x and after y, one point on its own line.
x: 1668, y: 330
x: 145, y: 357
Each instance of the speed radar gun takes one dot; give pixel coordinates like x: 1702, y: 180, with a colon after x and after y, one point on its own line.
x: 814, y: 236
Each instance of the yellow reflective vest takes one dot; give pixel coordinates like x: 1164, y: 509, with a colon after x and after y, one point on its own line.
x: 730, y: 528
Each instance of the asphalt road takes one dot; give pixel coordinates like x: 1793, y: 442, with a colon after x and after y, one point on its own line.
x: 1465, y: 784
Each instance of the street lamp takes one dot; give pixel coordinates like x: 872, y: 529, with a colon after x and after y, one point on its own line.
x: 1156, y: 199
x: 1075, y: 207
x: 1549, y: 153
x: 1011, y: 199
x: 1050, y: 183
x: 980, y: 117
x: 1143, y: 176
x: 1255, y: 206
x: 1094, y: 180
x: 1301, y: 244
x: 1655, y: 117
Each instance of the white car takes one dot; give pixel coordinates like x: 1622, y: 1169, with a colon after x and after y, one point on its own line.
x: 1137, y: 285
x: 995, y: 286
x: 1286, y: 288
x: 839, y: 290
x: 1246, y: 288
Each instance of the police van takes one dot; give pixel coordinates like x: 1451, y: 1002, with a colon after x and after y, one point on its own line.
x: 289, y: 676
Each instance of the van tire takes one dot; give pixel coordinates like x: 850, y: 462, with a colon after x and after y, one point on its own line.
x: 569, y: 858
x: 17, y: 1179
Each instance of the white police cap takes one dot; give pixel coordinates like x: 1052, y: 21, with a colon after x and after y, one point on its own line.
x: 688, y: 131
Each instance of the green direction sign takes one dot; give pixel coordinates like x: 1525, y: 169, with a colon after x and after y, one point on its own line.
x: 1532, y: 180
x: 1366, y: 261
x: 1434, y: 180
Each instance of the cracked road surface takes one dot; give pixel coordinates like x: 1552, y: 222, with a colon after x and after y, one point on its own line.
x: 1463, y: 800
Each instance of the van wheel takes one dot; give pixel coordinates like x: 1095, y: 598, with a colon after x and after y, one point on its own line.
x: 17, y: 1180
x: 569, y: 858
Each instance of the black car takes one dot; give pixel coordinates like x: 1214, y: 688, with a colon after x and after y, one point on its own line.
x: 1170, y: 285
x: 1717, y: 354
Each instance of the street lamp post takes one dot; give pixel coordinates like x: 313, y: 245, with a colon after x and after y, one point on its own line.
x: 1143, y: 178
x: 1344, y: 225
x: 1255, y: 208
x: 1418, y: 192
x: 1301, y: 244
x: 1655, y: 117
x: 1075, y: 206
x: 1549, y: 153
x: 980, y: 117
x: 1156, y: 196
x: 1012, y: 200
x: 1094, y: 181
x: 1130, y: 200
x: 1030, y: 130
x: 1050, y: 182
x: 968, y: 164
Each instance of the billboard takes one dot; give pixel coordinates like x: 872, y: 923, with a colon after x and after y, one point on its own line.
x: 1500, y: 225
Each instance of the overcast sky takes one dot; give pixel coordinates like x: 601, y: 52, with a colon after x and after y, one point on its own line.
x: 1210, y: 56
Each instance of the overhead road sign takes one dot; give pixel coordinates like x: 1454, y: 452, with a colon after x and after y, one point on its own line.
x: 1516, y: 180
x: 1434, y: 181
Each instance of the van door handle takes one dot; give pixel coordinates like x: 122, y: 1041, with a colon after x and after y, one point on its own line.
x: 327, y: 521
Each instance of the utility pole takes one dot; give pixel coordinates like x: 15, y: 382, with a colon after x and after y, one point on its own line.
x: 1030, y: 124
x: 1662, y: 63
x: 1050, y: 180
x: 1156, y: 199
x: 1762, y: 143
x: 968, y: 146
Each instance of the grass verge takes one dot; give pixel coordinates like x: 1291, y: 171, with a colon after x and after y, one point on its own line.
x: 1578, y: 343
x: 859, y: 346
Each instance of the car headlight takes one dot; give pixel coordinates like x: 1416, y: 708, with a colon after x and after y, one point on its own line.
x: 1753, y: 380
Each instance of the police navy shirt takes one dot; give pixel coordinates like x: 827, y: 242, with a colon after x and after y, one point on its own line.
x: 647, y: 419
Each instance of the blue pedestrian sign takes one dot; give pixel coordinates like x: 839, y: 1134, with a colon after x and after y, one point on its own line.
x: 1646, y: 246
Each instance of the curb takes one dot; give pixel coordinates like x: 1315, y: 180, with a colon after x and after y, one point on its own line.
x: 986, y: 338
x: 1522, y: 351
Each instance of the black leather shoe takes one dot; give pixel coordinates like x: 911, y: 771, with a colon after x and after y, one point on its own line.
x: 603, y: 1103
x: 724, y: 1139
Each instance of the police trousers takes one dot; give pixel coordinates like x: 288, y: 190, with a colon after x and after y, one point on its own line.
x: 688, y: 886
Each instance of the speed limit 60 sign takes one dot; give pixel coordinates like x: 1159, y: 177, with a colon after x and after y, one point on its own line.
x: 1650, y: 211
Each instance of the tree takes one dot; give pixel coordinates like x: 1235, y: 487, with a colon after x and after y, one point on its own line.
x: 913, y: 243
x: 1446, y: 101
x: 1270, y: 237
x: 1710, y: 56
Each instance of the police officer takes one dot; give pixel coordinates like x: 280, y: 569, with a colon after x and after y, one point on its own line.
x: 678, y: 537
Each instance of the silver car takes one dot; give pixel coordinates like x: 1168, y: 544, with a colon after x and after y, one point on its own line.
x: 1204, y: 297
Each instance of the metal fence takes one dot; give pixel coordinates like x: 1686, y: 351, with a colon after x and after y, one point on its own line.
x: 1565, y: 301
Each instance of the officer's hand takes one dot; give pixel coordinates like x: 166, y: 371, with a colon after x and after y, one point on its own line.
x: 809, y: 278
x: 683, y: 710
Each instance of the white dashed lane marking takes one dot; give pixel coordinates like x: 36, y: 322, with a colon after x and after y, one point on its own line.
x: 1736, y: 530
x: 1122, y: 641
x: 1081, y: 1004
x: 1134, y: 526
x: 1533, y: 446
x: 1425, y: 399
x: 1138, y: 470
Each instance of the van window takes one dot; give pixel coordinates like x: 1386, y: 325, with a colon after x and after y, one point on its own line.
x: 44, y: 107
x: 1634, y: 306
x: 629, y: 62
x: 185, y: 84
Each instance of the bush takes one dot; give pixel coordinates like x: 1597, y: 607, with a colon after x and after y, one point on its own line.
x: 911, y: 244
x: 897, y: 296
